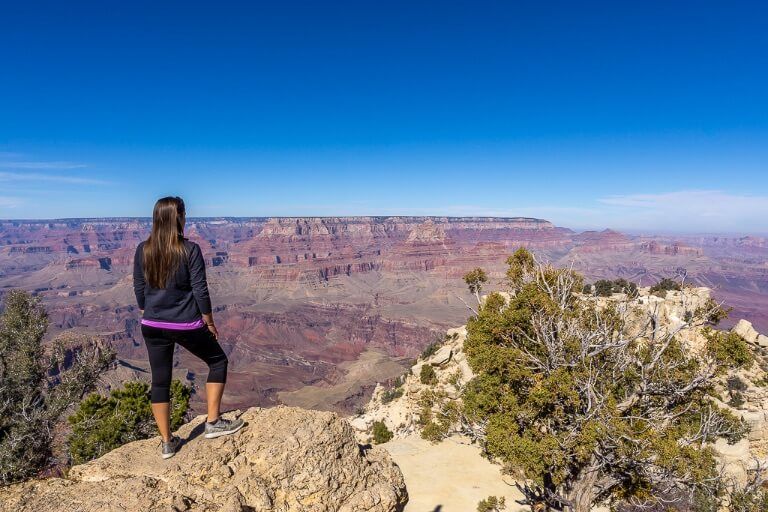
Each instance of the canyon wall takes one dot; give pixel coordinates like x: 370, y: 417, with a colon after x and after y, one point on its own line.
x: 296, y: 299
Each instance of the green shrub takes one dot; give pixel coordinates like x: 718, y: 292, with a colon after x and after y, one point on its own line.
x: 713, y: 311
x: 430, y: 350
x: 735, y: 388
x: 492, y: 504
x: 391, y: 394
x: 454, y: 379
x: 102, y: 423
x: 435, y: 426
x: 665, y: 285
x: 728, y: 348
x: 428, y: 375
x: 606, y: 288
x: 753, y: 498
x: 381, y: 434
x: 603, y: 288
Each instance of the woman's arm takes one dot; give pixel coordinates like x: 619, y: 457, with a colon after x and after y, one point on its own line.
x: 199, y: 284
x: 138, y: 277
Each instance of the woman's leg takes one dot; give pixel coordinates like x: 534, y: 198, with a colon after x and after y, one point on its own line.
x: 162, y: 414
x: 213, y: 393
x: 203, y: 345
x: 160, y: 351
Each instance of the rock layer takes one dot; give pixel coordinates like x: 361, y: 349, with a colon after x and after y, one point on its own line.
x: 286, y: 459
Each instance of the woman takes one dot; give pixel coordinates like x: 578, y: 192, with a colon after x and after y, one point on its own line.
x: 172, y: 293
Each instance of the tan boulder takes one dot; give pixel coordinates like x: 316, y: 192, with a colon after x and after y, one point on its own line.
x: 286, y: 459
x: 744, y: 329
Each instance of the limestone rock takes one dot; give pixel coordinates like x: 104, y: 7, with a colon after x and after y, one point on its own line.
x: 401, y: 415
x: 286, y: 459
x: 744, y: 329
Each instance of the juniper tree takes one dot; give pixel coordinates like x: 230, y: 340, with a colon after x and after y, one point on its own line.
x: 593, y: 403
x: 38, y: 384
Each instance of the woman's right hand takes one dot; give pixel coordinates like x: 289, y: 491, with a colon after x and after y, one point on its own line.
x: 208, y: 319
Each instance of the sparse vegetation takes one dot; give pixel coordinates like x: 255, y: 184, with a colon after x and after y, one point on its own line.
x: 437, y: 415
x: 492, y: 504
x: 728, y: 349
x: 751, y: 498
x: 735, y: 388
x: 381, y: 434
x: 103, y: 423
x: 38, y: 384
x: 588, y: 405
x: 606, y: 288
x: 391, y: 394
x: 430, y: 350
x: 427, y: 375
x: 712, y: 311
x: 662, y: 287
x: 433, y: 347
x: 454, y: 379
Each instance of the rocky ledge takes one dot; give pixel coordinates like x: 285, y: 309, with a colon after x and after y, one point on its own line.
x: 285, y: 459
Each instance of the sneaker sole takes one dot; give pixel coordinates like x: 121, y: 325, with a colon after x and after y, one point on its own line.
x: 214, y: 435
x: 168, y: 455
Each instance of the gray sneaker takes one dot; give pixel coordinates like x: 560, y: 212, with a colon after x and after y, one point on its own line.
x: 170, y: 448
x: 222, y: 427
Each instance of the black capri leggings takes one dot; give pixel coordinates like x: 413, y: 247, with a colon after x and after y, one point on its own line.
x: 160, y: 346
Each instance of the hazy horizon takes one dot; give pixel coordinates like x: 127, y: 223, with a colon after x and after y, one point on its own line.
x: 578, y: 229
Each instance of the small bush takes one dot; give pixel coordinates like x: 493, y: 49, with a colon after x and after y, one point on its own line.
x: 754, y: 498
x: 714, y: 312
x: 728, y: 348
x: 435, y: 426
x: 606, y: 288
x: 603, y: 288
x: 736, y: 384
x: 737, y: 399
x: 491, y: 504
x: 665, y: 285
x: 391, y: 394
x: 102, y: 423
x: 428, y: 375
x: 381, y: 434
x: 430, y: 350
x: 454, y: 379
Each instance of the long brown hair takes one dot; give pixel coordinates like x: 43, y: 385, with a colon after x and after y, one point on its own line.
x: 164, y: 249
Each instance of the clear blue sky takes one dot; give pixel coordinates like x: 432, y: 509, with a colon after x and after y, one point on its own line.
x: 631, y: 115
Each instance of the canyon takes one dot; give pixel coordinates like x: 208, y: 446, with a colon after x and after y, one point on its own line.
x: 316, y: 311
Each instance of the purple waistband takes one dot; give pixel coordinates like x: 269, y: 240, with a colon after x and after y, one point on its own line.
x: 181, y: 326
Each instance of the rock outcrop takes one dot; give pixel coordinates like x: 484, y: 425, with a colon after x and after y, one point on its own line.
x: 747, y: 398
x: 401, y: 414
x: 285, y: 459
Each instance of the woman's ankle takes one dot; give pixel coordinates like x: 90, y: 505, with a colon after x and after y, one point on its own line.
x: 209, y: 420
